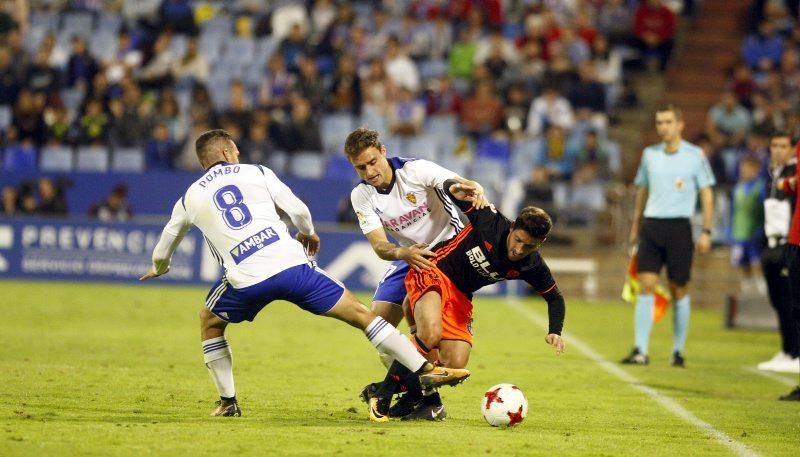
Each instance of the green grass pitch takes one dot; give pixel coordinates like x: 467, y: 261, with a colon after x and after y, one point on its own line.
x: 117, y: 370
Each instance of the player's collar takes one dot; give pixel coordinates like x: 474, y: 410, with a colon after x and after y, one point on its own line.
x: 221, y: 162
x: 391, y: 183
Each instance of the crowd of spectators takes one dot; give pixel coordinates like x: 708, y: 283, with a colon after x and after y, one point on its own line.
x: 532, y: 85
x: 761, y: 98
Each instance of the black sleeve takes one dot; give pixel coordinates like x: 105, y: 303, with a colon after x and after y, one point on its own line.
x: 476, y: 216
x: 556, y: 310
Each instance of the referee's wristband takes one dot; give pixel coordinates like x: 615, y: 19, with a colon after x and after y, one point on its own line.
x: 707, y: 231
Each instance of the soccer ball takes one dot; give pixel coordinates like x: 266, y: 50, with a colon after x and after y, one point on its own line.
x: 504, y: 404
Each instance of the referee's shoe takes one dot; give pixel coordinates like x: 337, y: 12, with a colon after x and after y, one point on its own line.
x: 636, y: 358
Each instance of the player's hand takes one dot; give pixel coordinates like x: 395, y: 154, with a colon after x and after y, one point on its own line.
x: 416, y: 256
x: 469, y: 191
x: 633, y: 241
x: 310, y: 243
x: 556, y: 341
x: 704, y: 243
x: 153, y: 274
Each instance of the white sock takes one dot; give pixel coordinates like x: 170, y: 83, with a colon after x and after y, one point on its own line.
x: 217, y: 356
x: 389, y: 340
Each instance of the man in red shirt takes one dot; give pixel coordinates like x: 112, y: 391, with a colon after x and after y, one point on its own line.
x: 654, y: 31
x: 793, y: 261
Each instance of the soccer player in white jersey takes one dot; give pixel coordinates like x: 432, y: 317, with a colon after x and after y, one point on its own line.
x: 234, y: 206
x: 404, y: 198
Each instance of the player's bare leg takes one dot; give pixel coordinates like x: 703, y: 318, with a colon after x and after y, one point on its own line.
x: 454, y: 353
x: 218, y: 359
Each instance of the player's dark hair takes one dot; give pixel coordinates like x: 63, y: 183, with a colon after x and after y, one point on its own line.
x: 360, y: 139
x: 209, y: 142
x: 781, y: 134
x: 674, y: 109
x: 535, y: 221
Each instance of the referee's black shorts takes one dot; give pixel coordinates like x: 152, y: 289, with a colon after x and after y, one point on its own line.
x: 666, y: 242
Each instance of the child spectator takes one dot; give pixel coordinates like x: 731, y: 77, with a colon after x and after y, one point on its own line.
x: 748, y: 215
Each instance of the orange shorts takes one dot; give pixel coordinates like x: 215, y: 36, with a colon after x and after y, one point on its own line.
x: 456, y: 307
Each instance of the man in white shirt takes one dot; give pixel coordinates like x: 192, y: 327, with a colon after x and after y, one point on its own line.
x: 235, y: 207
x: 403, y: 198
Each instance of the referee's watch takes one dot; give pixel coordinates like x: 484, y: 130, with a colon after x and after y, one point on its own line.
x: 707, y: 231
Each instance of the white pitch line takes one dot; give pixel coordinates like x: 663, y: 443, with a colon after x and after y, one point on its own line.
x: 769, y: 375
x: 667, y: 402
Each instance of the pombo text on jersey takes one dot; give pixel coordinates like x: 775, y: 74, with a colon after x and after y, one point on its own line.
x: 504, y: 405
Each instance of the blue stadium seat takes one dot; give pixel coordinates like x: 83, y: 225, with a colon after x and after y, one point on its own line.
x: 178, y: 46
x: 278, y: 161
x: 220, y: 25
x: 444, y: 130
x: 334, y: 129
x: 430, y: 69
x: 307, y: 164
x: 523, y: 157
x: 19, y: 157
x: 92, y: 158
x: 56, y: 158
x: 422, y: 147
x: 103, y: 44
x: 77, y: 24
x: 5, y: 116
x: 128, y: 160
x: 239, y: 50
x: 491, y: 173
x: 45, y: 20
x: 395, y: 146
x: 109, y: 22
x: 33, y: 38
x: 338, y: 167
x: 375, y: 122
x: 210, y: 46
x: 494, y: 149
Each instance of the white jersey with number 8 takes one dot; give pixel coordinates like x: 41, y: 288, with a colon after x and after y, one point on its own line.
x: 234, y: 205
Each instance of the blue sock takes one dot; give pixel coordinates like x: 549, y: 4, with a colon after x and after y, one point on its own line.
x: 680, y: 324
x: 643, y: 320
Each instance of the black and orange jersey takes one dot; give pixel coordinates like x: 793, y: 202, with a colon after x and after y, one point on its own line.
x: 478, y: 256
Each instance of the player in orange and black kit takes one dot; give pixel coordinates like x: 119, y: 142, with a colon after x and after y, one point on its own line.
x: 488, y: 250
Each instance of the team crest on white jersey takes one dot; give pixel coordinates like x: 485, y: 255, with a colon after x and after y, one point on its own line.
x: 412, y: 198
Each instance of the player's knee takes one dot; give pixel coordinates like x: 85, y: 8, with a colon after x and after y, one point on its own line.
x: 430, y: 334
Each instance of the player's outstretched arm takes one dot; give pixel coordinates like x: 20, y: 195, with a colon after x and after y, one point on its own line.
x: 311, y: 242
x: 171, y: 237
x: 416, y: 255
x: 479, y: 200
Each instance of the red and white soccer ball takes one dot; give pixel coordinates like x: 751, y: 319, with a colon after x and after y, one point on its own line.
x: 504, y: 404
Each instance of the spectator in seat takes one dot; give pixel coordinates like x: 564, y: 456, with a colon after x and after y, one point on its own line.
x: 406, y: 115
x: 177, y: 15
x: 441, y: 98
x: 515, y: 110
x: 654, y: 31
x: 277, y: 84
x: 482, y: 112
x: 93, y: 125
x: 258, y: 146
x: 192, y: 66
x: 763, y: 48
x: 301, y: 131
x: 728, y: 122
x: 28, y: 119
x: 310, y: 84
x: 81, y: 67
x: 345, y: 92
x: 114, y: 208
x: 555, y: 153
x: 161, y: 150
x: 10, y: 83
x: 547, y: 109
x: 9, y: 201
x: 157, y: 72
x: 240, y: 110
x: 52, y: 199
